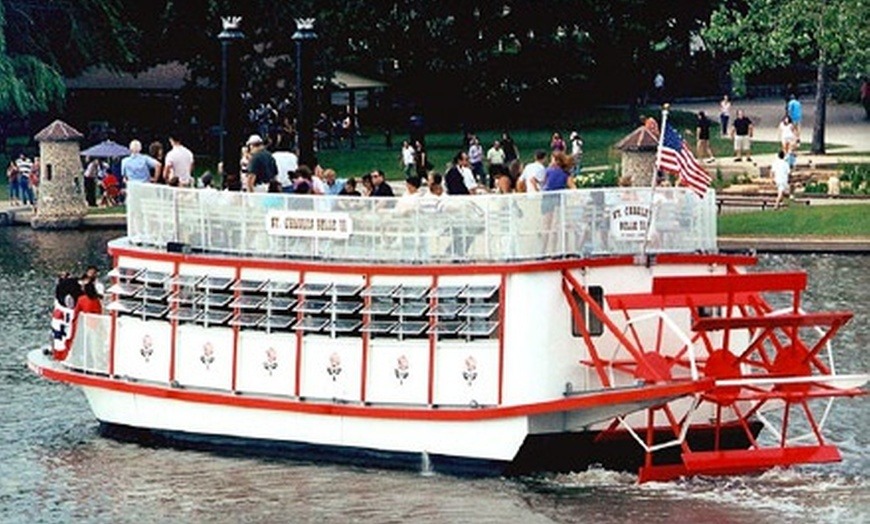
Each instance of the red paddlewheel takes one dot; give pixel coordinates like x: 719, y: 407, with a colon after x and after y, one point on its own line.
x: 792, y: 361
x: 759, y: 359
x: 722, y: 364
x: 658, y: 367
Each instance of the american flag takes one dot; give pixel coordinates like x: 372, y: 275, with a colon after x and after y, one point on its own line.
x: 62, y: 319
x: 675, y: 157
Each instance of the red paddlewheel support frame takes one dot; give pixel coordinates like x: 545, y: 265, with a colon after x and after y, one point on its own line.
x: 778, y: 370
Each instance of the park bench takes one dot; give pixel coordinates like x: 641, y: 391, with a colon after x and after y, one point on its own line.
x: 763, y: 202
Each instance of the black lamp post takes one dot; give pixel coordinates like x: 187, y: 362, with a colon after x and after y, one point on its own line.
x: 231, y: 99
x: 305, y: 38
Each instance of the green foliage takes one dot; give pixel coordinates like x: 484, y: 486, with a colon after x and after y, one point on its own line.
x: 858, y: 178
x: 765, y: 34
x: 42, y: 41
x: 814, y: 187
x: 848, y: 220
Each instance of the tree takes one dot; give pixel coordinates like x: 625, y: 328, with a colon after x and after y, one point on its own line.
x: 833, y: 34
x: 40, y: 42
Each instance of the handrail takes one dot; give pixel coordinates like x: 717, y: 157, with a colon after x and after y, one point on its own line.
x: 423, y: 229
x: 89, y: 350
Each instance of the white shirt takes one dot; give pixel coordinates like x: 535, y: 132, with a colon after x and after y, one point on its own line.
x: 495, y: 156
x: 533, y: 170
x: 576, y: 147
x: 786, y: 132
x: 468, y: 178
x: 286, y: 162
x: 180, y: 161
x: 780, y: 170
x: 408, y: 156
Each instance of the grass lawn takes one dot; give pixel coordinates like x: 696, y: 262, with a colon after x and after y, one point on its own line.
x: 849, y: 220
x: 372, y: 153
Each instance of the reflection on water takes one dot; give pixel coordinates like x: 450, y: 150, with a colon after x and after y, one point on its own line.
x: 54, y: 467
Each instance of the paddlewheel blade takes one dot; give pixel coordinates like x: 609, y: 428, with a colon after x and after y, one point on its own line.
x: 768, y: 365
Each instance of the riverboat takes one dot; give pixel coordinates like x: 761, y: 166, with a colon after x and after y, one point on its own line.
x: 486, y: 334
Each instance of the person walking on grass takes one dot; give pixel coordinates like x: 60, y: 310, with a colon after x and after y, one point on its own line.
x: 780, y: 171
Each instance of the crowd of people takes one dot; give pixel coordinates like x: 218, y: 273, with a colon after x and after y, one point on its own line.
x: 109, y: 180
x: 741, y: 131
x: 22, y: 175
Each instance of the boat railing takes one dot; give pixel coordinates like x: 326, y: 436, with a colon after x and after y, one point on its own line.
x: 89, y: 350
x: 424, y: 229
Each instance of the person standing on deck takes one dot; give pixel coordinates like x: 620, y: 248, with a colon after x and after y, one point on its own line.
x: 179, y: 163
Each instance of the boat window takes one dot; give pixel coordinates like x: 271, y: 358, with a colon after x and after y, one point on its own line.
x: 380, y: 291
x: 247, y: 302
x: 411, y: 328
x: 125, y: 273
x: 247, y: 320
x: 187, y: 280
x: 278, y: 322
x: 311, y: 324
x: 346, y: 290
x: 446, y: 327
x: 411, y: 292
x: 593, y: 323
x: 447, y: 292
x: 154, y: 277
x: 309, y: 289
x: 249, y: 285
x: 709, y: 311
x: 216, y: 283
x: 335, y: 309
x: 184, y: 314
x: 344, y: 325
x: 379, y: 327
x: 279, y: 287
x: 124, y: 289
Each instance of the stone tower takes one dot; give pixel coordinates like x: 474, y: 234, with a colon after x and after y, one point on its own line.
x: 639, y: 156
x: 61, y: 202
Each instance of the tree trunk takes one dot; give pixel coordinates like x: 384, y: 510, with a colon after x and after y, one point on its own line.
x: 818, y: 146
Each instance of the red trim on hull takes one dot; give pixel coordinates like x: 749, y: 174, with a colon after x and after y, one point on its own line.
x: 661, y: 392
x: 483, y: 268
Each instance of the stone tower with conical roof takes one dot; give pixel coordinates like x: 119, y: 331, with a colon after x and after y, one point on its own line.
x: 61, y: 202
x: 639, y: 156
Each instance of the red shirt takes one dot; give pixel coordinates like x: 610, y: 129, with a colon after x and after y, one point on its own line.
x: 86, y: 304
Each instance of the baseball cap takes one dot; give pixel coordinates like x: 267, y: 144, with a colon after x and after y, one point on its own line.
x: 253, y: 140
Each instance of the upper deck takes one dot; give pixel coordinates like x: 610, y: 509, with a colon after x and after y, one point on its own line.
x: 425, y: 229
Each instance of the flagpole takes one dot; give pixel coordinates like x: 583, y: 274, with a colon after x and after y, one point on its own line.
x: 654, y: 178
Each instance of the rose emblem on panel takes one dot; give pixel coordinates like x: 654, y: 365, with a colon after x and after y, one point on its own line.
x: 470, y: 372
x: 271, y: 361
x: 334, y: 368
x: 147, y: 348
x: 402, y: 369
x: 207, y: 357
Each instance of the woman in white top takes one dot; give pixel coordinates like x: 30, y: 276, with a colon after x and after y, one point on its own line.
x: 787, y: 134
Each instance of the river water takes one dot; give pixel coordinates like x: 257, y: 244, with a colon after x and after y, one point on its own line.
x: 54, y: 467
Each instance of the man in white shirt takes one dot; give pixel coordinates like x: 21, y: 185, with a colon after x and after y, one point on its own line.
x: 287, y: 163
x: 178, y: 163
x: 407, y: 158
x: 534, y: 172
x: 495, y: 156
x: 780, y: 171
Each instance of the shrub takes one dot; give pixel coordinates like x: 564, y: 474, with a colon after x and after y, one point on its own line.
x: 858, y: 176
